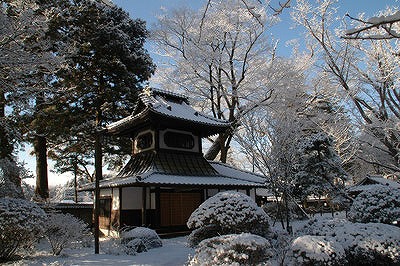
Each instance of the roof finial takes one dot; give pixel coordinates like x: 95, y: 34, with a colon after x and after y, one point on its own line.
x: 147, y: 91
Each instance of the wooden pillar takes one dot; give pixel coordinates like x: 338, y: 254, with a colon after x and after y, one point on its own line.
x: 144, y: 203
x: 158, y: 210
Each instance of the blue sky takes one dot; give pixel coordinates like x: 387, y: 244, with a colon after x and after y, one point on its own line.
x: 149, y: 9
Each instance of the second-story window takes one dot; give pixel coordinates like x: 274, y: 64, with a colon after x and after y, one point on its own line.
x: 144, y: 141
x: 179, y: 140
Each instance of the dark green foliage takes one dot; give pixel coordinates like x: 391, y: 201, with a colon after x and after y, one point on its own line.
x: 105, y: 64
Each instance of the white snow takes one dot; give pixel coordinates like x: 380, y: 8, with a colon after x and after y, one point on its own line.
x: 173, y: 252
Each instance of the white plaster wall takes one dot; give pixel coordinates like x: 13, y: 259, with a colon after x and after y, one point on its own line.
x: 131, y: 198
x: 115, y: 199
x: 212, y: 191
x: 105, y: 192
x: 253, y: 193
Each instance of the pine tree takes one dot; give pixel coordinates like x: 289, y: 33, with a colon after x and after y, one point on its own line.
x: 106, y: 65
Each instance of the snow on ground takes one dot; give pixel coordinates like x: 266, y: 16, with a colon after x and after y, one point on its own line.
x: 173, y: 252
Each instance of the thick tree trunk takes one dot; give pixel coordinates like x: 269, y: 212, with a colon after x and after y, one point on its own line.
x: 219, y: 146
x: 40, y: 147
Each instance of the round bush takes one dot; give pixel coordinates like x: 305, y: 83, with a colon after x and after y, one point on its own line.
x: 242, y: 249
x: 317, y: 250
x: 230, y: 212
x: 364, y: 244
x: 379, y: 204
x: 21, y: 223
x: 140, y: 239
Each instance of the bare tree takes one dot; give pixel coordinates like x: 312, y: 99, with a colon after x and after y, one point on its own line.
x: 366, y: 73
x: 222, y: 57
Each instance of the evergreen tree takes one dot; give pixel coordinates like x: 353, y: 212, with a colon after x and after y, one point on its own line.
x: 319, y: 170
x: 106, y: 65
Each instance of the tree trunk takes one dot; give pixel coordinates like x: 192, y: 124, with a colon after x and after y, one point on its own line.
x: 98, y: 166
x: 40, y: 147
x: 219, y: 146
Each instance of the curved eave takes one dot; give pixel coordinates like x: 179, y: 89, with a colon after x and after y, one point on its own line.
x: 157, y: 179
x: 129, y: 123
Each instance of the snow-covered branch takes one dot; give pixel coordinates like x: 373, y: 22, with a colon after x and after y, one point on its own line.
x: 386, y: 22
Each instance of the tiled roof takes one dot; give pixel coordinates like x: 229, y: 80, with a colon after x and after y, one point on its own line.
x: 155, y: 178
x: 170, y: 105
x: 168, y: 163
x: 166, y: 168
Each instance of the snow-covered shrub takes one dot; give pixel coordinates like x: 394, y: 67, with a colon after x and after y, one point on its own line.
x: 364, y: 244
x: 281, y: 242
x: 202, y: 233
x: 139, y: 239
x: 20, y: 225
x: 242, y: 249
x: 64, y: 230
x: 379, y: 204
x: 231, y: 212
x: 316, y: 250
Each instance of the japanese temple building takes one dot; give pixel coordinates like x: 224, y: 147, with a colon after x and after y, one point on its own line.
x: 167, y: 177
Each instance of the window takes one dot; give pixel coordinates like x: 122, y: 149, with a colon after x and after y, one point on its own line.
x: 144, y: 141
x: 179, y: 140
x: 105, y: 207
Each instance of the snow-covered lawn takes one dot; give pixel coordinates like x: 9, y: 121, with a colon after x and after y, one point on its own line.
x: 173, y: 252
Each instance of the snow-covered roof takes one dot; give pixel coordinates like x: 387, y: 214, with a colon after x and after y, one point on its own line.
x: 154, y: 178
x: 230, y: 171
x: 385, y: 181
x: 371, y: 181
x: 169, y: 105
x: 374, y: 179
x: 225, y: 176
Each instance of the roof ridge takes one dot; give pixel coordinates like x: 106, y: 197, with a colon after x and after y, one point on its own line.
x: 150, y: 90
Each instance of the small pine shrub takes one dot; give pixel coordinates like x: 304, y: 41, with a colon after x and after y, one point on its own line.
x: 21, y: 223
x: 229, y: 212
x: 379, y: 204
x: 242, y: 249
x: 64, y: 230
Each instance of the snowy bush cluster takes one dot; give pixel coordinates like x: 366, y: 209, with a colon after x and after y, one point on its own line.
x: 21, y: 224
x: 316, y: 250
x: 64, y: 230
x: 235, y: 249
x: 363, y: 244
x: 132, y: 241
x: 225, y: 213
x: 139, y: 239
x: 229, y: 229
x: 378, y: 204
